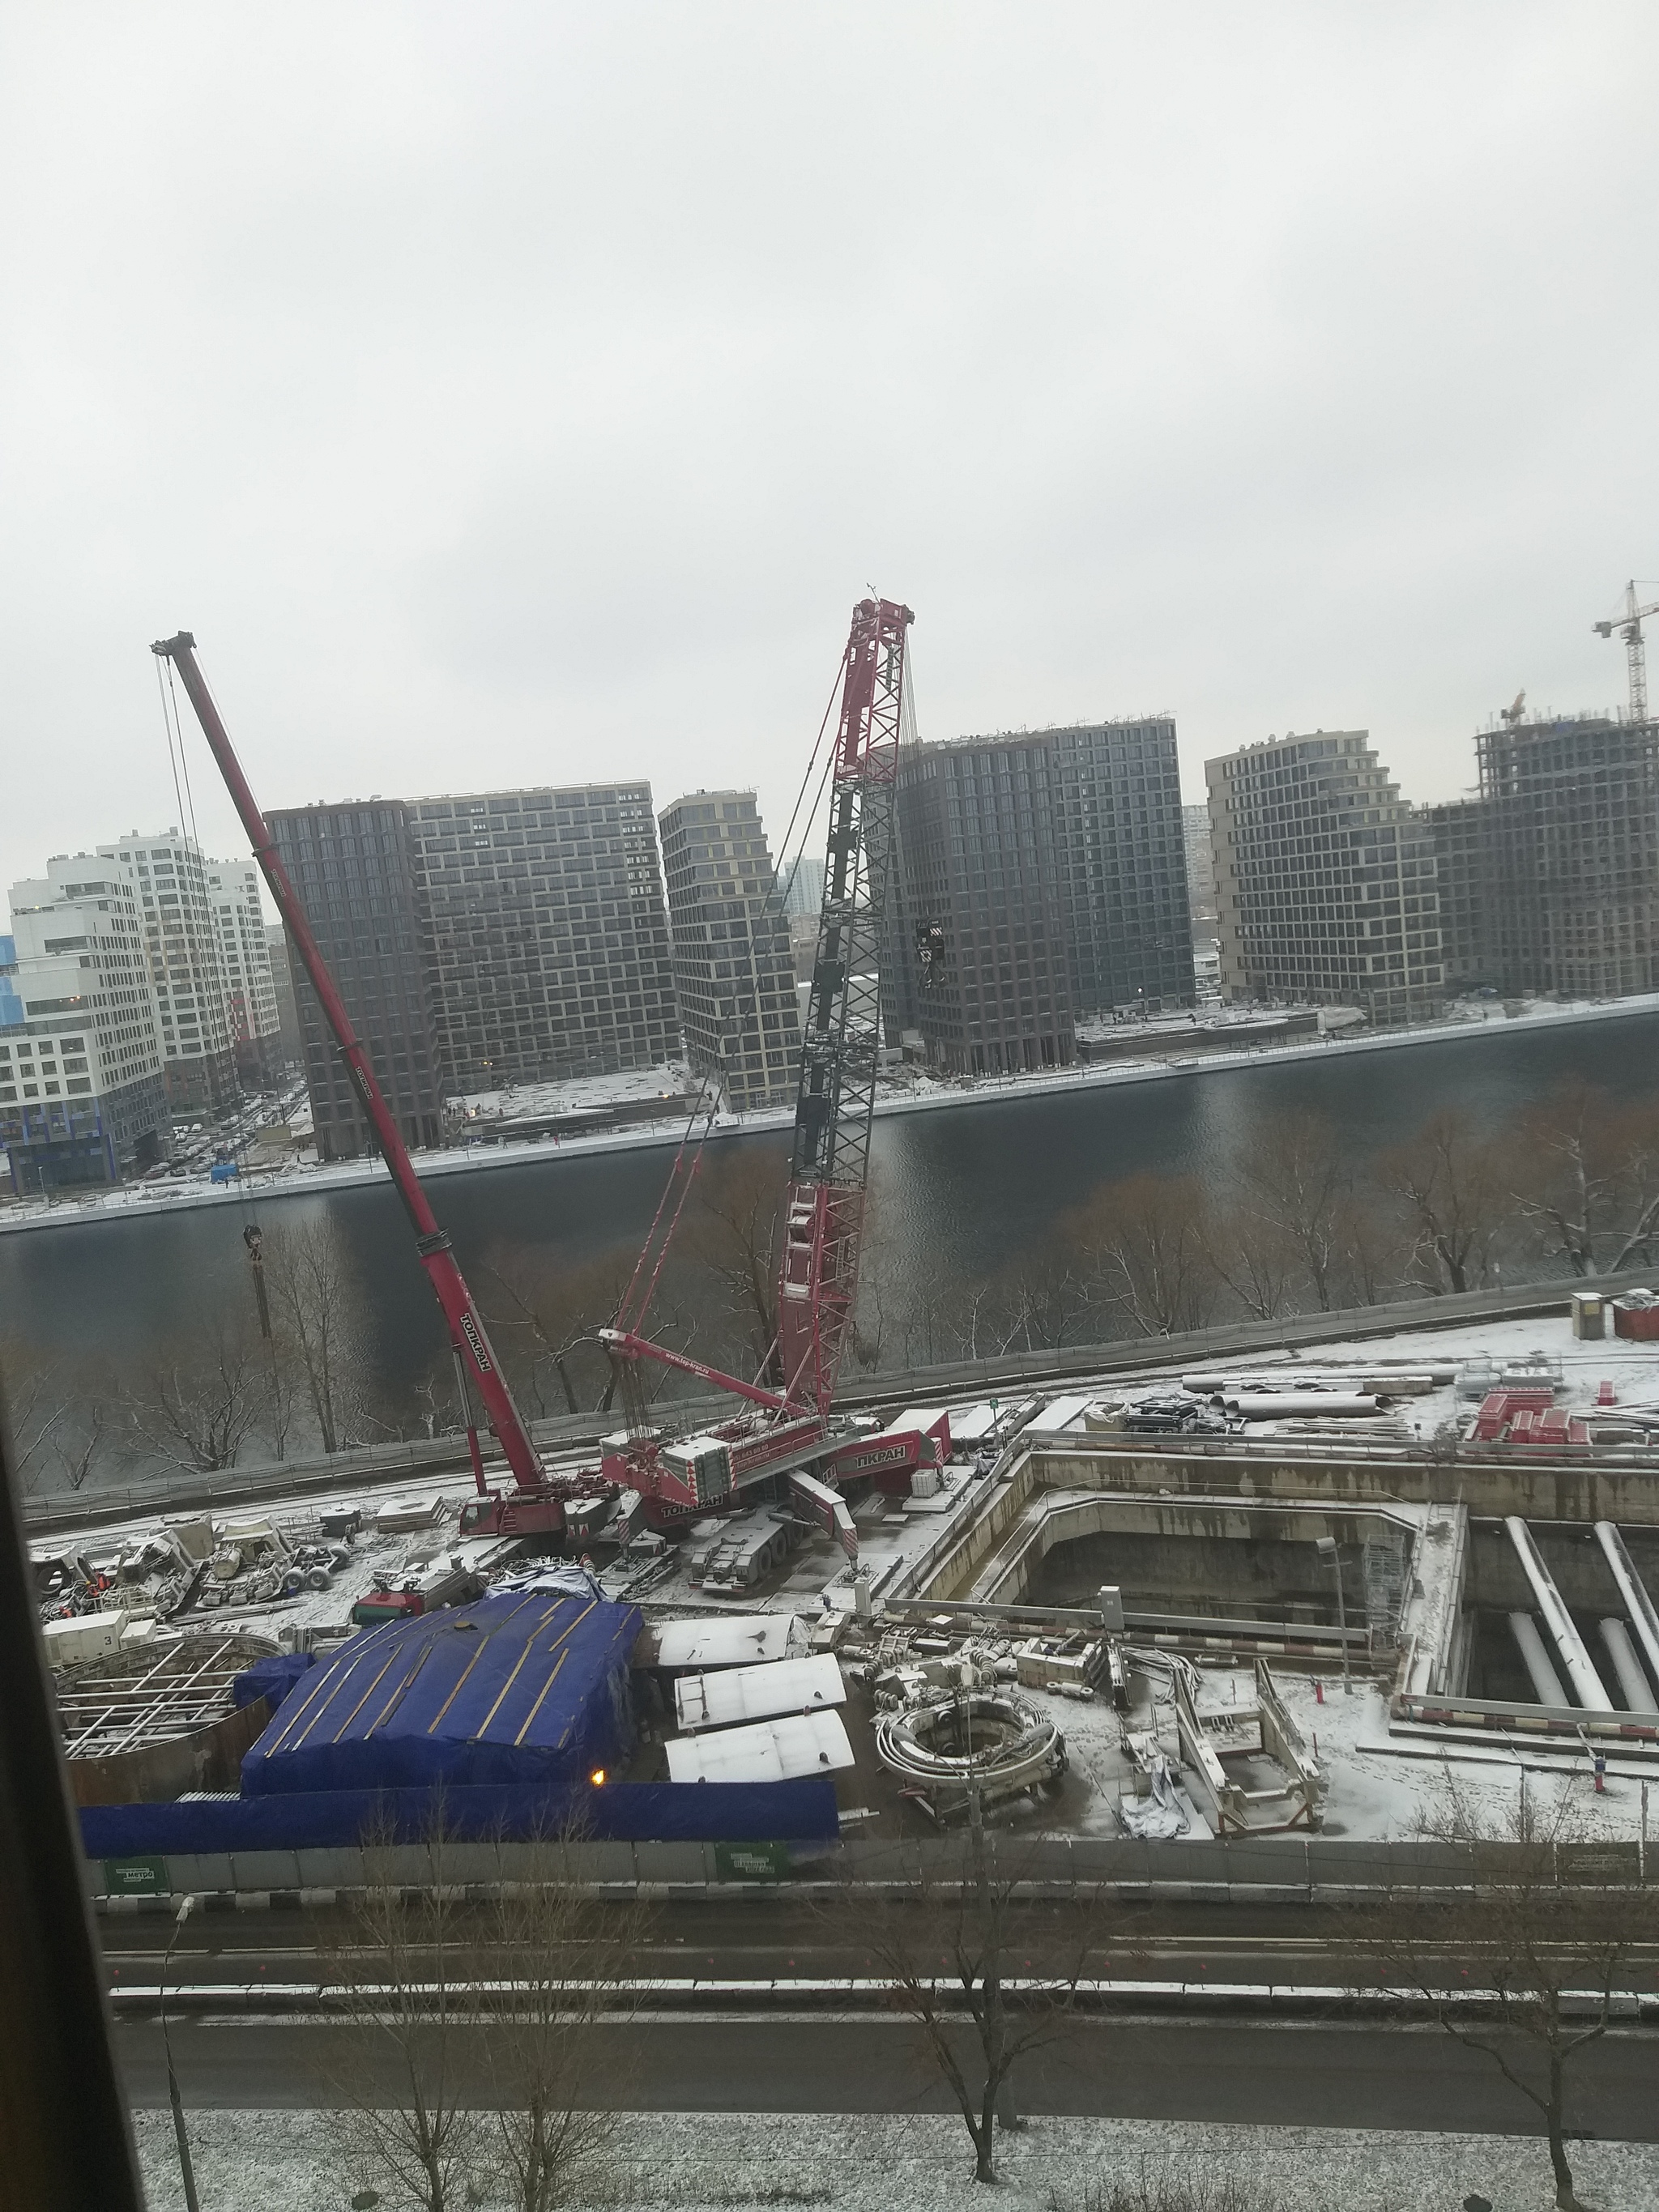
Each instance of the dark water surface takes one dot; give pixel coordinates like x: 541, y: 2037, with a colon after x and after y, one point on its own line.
x: 957, y: 1193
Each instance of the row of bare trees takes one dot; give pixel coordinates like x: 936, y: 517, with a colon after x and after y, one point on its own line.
x: 230, y: 1388
x: 1572, y: 1186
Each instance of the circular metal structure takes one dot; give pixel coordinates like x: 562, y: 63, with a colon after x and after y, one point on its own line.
x: 984, y: 1741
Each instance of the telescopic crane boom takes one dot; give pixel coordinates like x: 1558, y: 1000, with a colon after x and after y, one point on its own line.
x: 476, y: 1362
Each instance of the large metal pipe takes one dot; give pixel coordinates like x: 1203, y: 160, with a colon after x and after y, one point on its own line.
x: 1637, y: 1604
x: 1545, y: 1682
x: 1638, y: 1693
x: 1588, y: 1688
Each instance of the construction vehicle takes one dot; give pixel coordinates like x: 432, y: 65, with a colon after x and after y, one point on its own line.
x: 786, y: 1429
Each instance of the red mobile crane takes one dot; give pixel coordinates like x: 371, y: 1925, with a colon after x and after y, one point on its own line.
x: 829, y: 1165
x: 788, y: 1432
x: 475, y: 1365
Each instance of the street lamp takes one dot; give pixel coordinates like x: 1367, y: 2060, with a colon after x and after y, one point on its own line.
x: 180, y: 2134
x: 1327, y: 1546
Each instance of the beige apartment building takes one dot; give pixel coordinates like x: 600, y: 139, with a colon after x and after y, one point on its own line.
x: 1326, y: 885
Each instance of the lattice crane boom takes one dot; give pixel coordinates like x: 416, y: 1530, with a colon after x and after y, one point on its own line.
x: 829, y: 1165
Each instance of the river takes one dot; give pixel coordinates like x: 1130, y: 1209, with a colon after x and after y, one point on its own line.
x: 956, y: 1193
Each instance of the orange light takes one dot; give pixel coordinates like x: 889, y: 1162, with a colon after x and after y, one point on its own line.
x: 597, y: 1778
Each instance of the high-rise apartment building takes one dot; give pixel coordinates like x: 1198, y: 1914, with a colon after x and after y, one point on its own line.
x: 168, y: 877
x: 1458, y: 827
x: 250, y: 990
x: 83, y: 1098
x: 1200, y: 867
x: 1569, y: 855
x: 1121, y: 865
x: 733, y: 973
x: 976, y: 960
x: 354, y: 867
x: 545, y: 933
x: 1326, y: 880
x: 289, y: 1043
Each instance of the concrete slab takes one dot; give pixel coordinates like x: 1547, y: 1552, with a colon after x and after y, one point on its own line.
x: 255, y: 1871
x: 678, y: 1863
x: 1269, y: 1859
x: 200, y: 1873
x: 337, y: 1868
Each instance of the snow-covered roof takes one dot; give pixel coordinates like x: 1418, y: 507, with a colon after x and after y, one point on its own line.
x: 771, y: 1751
x: 724, y: 1639
x: 754, y: 1693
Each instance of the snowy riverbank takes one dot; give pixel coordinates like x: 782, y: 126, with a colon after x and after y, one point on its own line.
x: 921, y: 1095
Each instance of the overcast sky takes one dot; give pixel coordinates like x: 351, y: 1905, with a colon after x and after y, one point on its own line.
x: 509, y: 394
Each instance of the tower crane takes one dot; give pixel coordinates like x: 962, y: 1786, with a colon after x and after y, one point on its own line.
x: 1627, y: 621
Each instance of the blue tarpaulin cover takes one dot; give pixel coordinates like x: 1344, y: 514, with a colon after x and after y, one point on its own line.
x: 524, y: 1690
x: 271, y: 1677
x: 801, y: 1811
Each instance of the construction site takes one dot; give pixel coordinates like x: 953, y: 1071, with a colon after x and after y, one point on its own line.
x: 1283, y: 1594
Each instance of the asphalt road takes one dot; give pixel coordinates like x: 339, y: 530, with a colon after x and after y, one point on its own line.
x: 1352, y: 2074
x: 779, y: 1937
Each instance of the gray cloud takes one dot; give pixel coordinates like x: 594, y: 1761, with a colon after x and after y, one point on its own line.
x: 506, y: 393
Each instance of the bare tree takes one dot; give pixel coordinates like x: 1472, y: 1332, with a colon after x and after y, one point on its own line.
x: 1145, y: 1246
x: 569, y: 1960
x: 1551, y: 1951
x: 1450, y: 1182
x: 947, y: 1951
x: 1292, y: 1183
x: 315, y: 1303
x: 545, y: 1309
x: 393, y: 2101
x: 731, y: 1229
x: 38, y: 1392
x: 1585, y: 1177
x: 1256, y: 1258
x: 197, y: 1405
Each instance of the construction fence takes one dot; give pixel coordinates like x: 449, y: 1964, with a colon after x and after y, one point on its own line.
x: 1283, y: 1869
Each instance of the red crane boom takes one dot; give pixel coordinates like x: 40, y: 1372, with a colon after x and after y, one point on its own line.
x: 475, y: 1358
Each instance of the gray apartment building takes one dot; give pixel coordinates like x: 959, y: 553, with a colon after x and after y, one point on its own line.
x: 355, y: 868
x: 978, y: 887
x: 1326, y: 879
x: 545, y: 933
x: 1121, y: 862
x: 733, y: 973
x: 1566, y: 856
x: 1458, y: 827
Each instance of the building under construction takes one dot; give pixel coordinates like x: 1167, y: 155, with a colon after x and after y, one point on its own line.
x: 1566, y: 857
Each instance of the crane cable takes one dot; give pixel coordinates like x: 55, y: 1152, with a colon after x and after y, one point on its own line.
x: 184, y: 798
x: 698, y: 1109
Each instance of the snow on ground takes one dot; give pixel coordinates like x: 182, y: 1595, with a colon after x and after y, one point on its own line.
x: 575, y: 1094
x: 921, y: 2163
